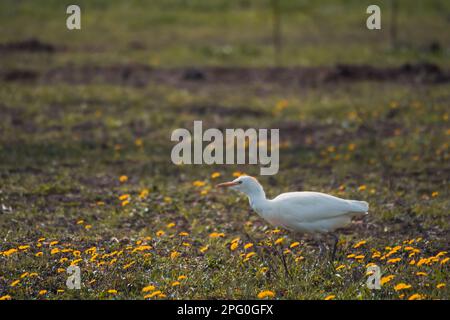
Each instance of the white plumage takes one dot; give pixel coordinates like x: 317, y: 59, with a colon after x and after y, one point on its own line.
x: 305, y: 212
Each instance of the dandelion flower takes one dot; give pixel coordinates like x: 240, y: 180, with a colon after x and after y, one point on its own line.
x: 198, y: 183
x: 440, y: 285
x: 112, y: 291
x: 148, y: 288
x: 42, y: 292
x: 394, y: 260
x: 359, y: 244
x: 215, y: 175
x: 144, y: 193
x: 330, y: 297
x: 386, y: 279
x: 6, y: 297
x: 175, y: 283
x: 160, y: 233
x: 217, y: 235
x: 138, y: 142
x: 123, y: 178
x: 170, y: 225
x: 153, y: 294
x: 237, y: 174
x: 266, y: 294
x: 294, y: 244
x: 416, y: 296
x: 402, y: 286
x: 249, y: 255
x: 14, y: 283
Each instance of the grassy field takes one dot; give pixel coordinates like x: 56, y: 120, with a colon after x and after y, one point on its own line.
x: 85, y: 171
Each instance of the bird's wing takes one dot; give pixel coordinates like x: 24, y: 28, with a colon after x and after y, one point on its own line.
x: 311, y: 206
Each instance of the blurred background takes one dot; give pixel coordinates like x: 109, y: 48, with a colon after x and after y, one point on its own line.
x: 233, y: 33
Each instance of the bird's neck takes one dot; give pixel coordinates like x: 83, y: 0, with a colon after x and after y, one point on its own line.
x: 257, y: 199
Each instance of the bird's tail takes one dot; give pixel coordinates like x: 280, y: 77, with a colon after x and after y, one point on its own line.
x: 359, y: 206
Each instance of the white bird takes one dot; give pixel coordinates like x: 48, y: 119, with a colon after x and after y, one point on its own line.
x: 304, y: 212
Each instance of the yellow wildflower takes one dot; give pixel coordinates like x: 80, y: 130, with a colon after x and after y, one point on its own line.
x: 153, y: 294
x: 217, y: 235
x: 266, y: 294
x: 148, y: 288
x: 144, y: 193
x: 394, y: 260
x: 330, y: 297
x: 294, y: 244
x: 215, y: 175
x: 128, y: 265
x: 170, y: 225
x: 124, y: 197
x: 198, y: 183
x: 123, y: 178
x: 160, y: 233
x: 15, y: 283
x: 402, y: 286
x: 386, y: 279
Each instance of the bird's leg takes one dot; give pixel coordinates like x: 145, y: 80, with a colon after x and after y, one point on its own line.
x: 336, y: 240
x: 321, y: 249
x: 283, y: 260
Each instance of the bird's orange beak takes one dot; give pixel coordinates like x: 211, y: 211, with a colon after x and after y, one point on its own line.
x: 226, y: 184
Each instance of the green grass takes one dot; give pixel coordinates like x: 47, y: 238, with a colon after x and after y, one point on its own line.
x: 219, y: 32
x: 64, y: 146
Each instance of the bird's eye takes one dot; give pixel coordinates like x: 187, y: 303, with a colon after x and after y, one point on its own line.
x: 240, y: 182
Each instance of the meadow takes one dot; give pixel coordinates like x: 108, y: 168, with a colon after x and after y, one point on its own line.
x: 86, y: 177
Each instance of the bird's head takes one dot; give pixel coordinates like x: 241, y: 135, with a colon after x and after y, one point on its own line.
x: 245, y: 184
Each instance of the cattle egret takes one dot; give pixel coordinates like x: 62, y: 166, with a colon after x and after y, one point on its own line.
x: 303, y: 212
